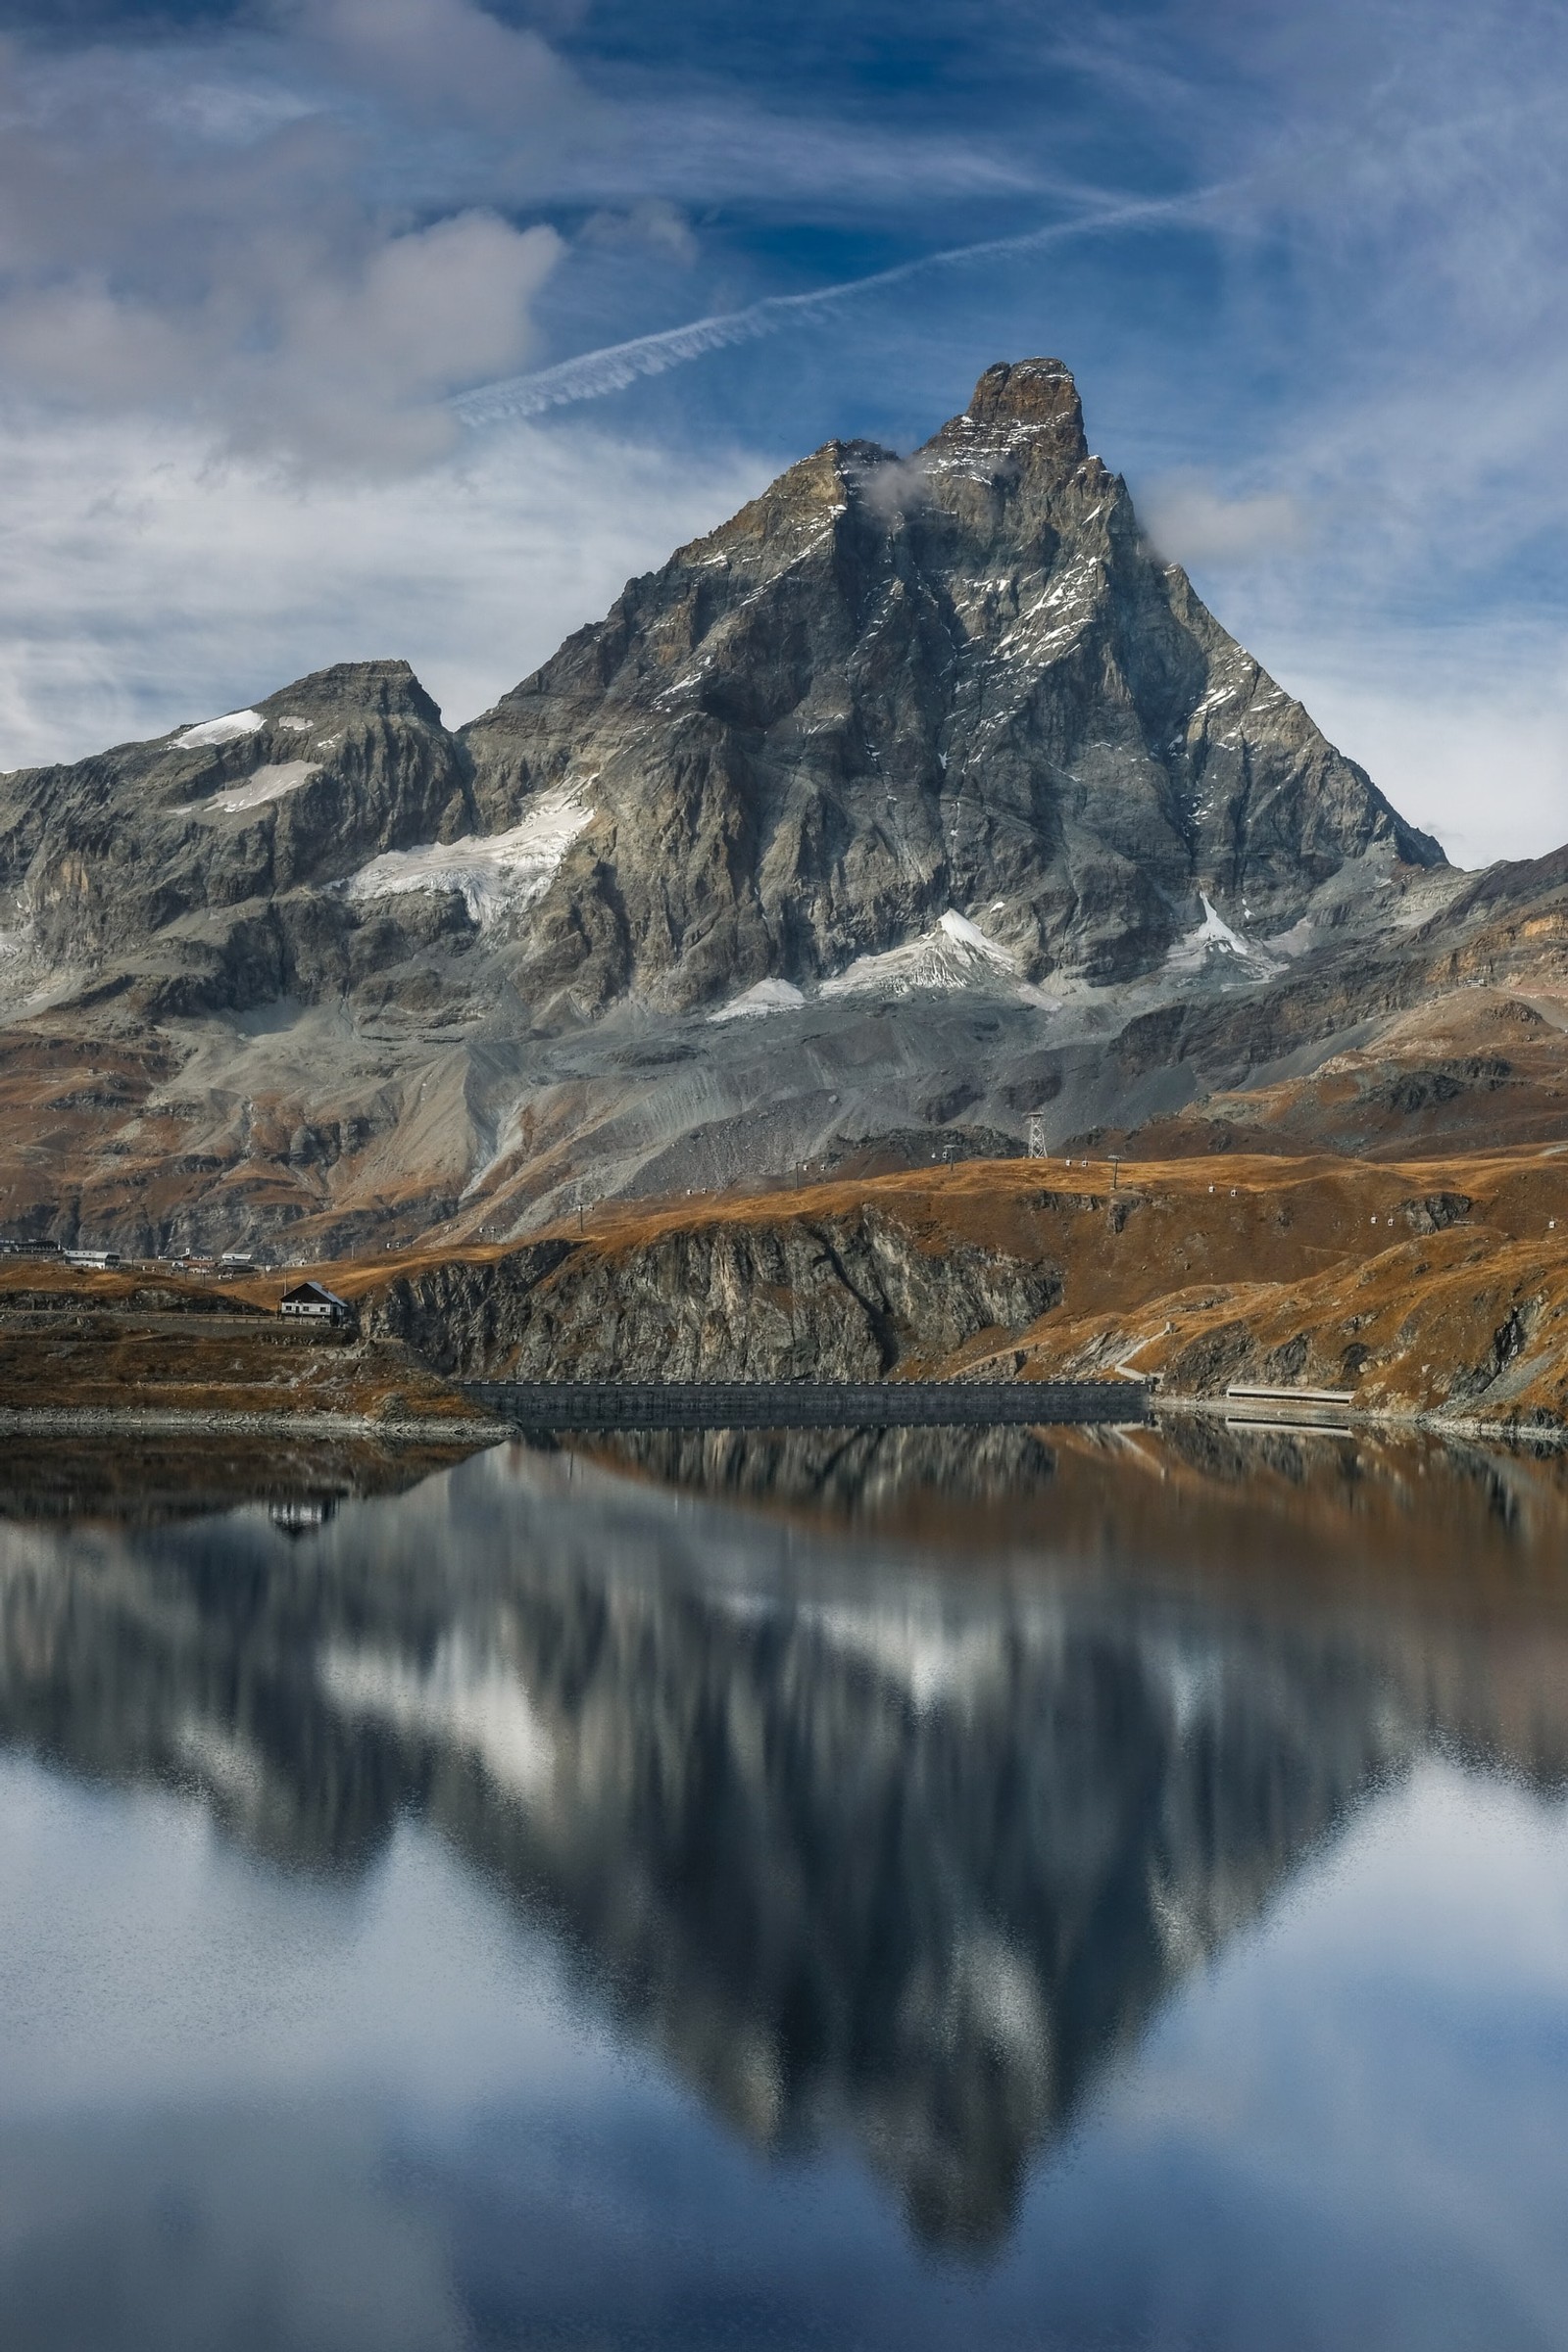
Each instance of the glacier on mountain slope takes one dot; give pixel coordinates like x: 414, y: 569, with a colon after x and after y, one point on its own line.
x: 1215, y: 927
x: 949, y: 955
x: 1214, y: 937
x: 497, y: 873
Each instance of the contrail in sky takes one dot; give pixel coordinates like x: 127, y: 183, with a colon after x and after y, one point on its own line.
x: 594, y: 374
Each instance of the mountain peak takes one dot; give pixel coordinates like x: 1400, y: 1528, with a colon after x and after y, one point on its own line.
x: 389, y: 688
x: 1030, y: 392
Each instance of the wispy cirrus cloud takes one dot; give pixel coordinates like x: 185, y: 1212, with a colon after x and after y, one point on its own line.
x: 143, y: 582
x: 593, y: 375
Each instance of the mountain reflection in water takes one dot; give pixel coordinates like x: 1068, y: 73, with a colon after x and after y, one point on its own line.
x: 895, y: 1831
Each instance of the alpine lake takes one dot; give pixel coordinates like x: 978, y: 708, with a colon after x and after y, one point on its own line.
x: 905, y: 1890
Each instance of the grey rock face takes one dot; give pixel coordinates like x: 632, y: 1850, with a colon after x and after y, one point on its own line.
x: 885, y: 690
x: 203, y: 868
x: 839, y: 1297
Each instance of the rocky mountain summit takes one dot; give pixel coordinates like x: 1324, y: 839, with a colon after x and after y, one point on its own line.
x: 921, y: 796
x: 895, y: 691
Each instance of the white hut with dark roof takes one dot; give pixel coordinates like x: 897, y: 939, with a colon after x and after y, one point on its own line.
x: 314, y: 1302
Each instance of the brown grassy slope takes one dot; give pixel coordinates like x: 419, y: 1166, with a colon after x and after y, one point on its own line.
x: 43, y: 1282
x: 126, y: 1341
x: 1356, y: 1275
x: 1428, y: 1285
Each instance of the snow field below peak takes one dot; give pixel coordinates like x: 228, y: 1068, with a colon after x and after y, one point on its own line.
x: 228, y: 729
x: 496, y: 873
x: 1215, y: 927
x: 952, y: 954
x: 768, y: 996
x: 949, y: 955
x: 271, y: 783
x: 1214, y: 937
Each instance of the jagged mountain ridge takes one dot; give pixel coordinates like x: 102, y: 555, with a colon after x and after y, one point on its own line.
x: 881, y: 811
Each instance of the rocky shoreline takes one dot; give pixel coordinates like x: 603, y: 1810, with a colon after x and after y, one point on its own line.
x: 123, y: 1421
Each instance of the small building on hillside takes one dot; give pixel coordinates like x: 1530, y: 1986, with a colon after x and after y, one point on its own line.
x: 314, y: 1302
x: 96, y: 1261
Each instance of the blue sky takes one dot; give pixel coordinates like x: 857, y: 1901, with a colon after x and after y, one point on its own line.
x: 1307, y: 264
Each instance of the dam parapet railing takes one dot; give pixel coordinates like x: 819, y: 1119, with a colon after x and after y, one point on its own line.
x: 592, y: 1404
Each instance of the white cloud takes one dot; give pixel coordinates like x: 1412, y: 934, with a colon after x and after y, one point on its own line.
x: 898, y: 487
x: 661, y: 227
x: 1467, y: 734
x: 198, y: 250
x: 379, y: 351
x: 1192, y: 522
x: 443, y: 59
x: 144, y: 584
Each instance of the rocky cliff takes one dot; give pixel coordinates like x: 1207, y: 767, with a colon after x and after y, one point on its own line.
x: 214, y: 869
x: 1431, y: 1288
x: 853, y: 1294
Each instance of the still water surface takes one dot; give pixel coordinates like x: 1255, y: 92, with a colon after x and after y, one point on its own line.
x: 928, y: 1891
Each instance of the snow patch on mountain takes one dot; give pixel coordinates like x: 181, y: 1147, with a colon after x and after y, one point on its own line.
x: 229, y: 729
x: 272, y: 783
x: 768, y: 996
x: 954, y: 954
x: 1214, y: 927
x: 1214, y: 938
x: 950, y: 955
x: 497, y: 873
